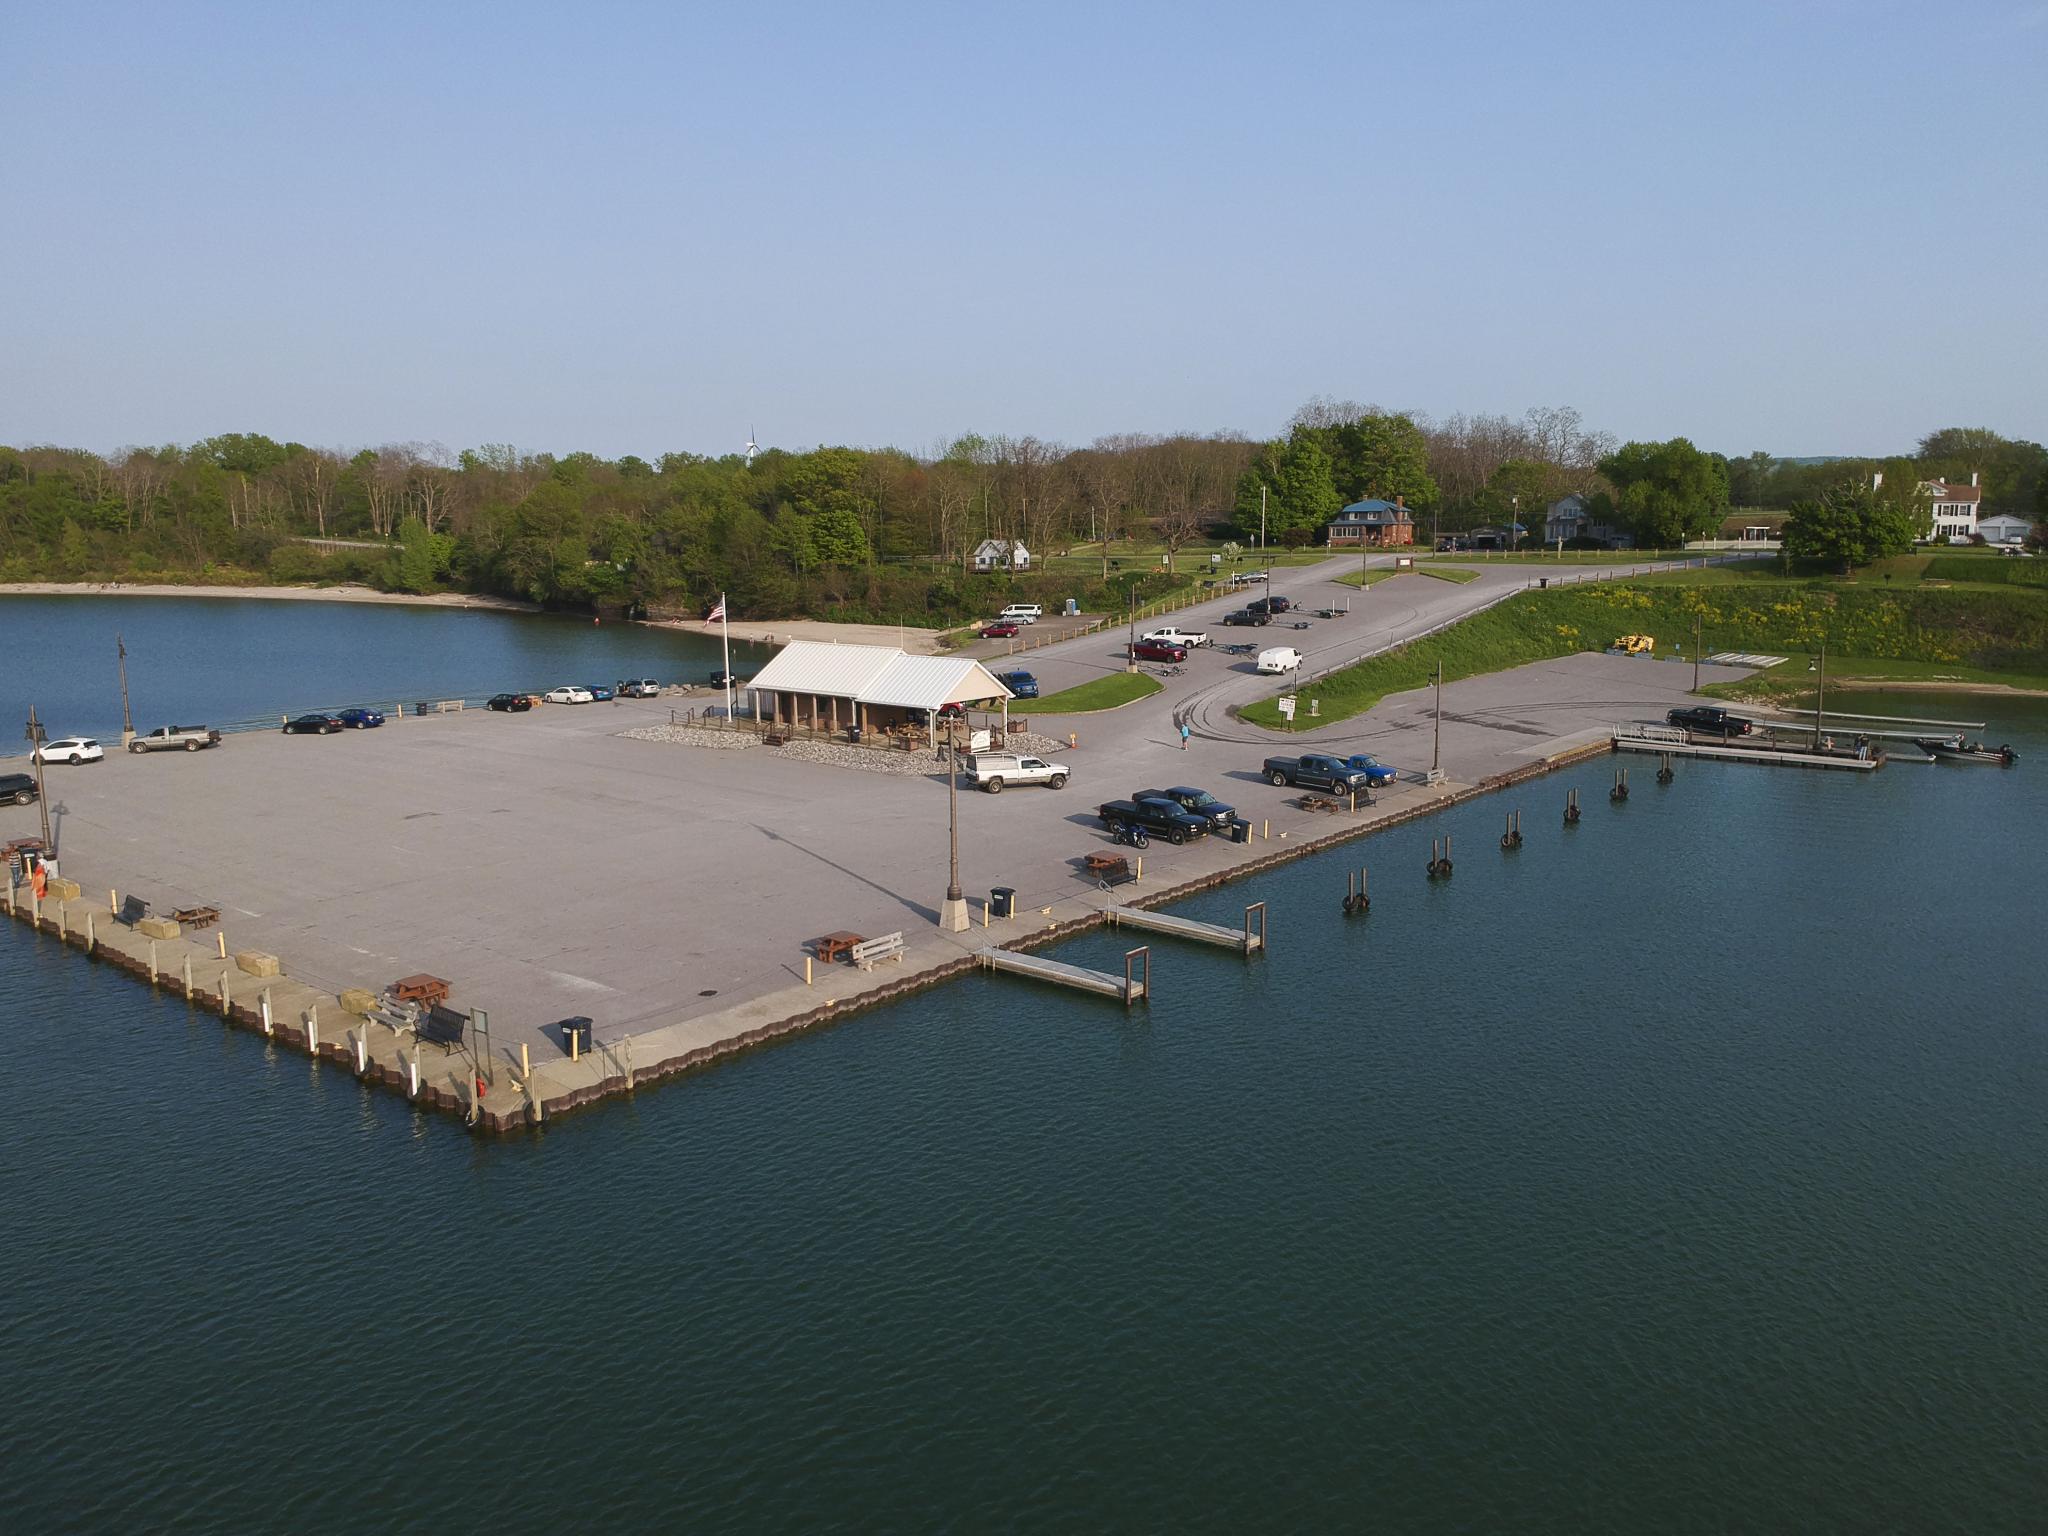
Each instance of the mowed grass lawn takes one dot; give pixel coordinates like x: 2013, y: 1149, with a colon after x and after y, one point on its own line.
x: 1983, y: 635
x: 1103, y: 693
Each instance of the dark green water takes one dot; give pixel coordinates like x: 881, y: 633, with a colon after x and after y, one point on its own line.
x: 1686, y: 1171
x: 226, y: 659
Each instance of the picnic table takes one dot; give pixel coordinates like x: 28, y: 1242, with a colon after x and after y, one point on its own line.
x: 423, y: 989
x: 196, y: 917
x: 833, y: 945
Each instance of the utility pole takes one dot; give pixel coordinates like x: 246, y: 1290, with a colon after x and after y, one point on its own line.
x: 953, y: 915
x: 1695, y: 653
x: 1436, y: 747
x: 36, y: 736
x: 1131, y: 645
x: 127, y: 720
x: 1262, y: 519
x: 1820, y: 697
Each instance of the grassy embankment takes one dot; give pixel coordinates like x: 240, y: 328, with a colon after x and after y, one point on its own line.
x: 1102, y: 693
x: 1379, y: 573
x: 1903, y: 632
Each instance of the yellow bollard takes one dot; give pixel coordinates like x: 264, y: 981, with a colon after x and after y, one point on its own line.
x: 223, y: 937
x: 807, y: 970
x: 1266, y: 830
x: 113, y: 901
x: 984, y: 912
x: 1141, y: 868
x: 525, y: 1064
x: 575, y: 1040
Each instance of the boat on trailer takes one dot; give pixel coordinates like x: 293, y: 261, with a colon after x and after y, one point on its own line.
x: 1953, y: 749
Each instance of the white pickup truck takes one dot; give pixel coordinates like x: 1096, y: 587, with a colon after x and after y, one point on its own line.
x: 174, y: 738
x: 1171, y: 636
x: 992, y: 770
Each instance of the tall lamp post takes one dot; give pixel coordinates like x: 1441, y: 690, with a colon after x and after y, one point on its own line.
x: 127, y: 720
x: 1131, y: 645
x: 953, y: 912
x: 37, y: 736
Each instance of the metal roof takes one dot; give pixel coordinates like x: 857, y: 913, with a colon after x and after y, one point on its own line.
x: 876, y: 674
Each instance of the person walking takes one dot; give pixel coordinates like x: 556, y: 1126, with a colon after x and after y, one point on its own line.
x: 1185, y: 733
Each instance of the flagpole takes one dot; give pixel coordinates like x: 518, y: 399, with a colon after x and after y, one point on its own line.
x: 725, y: 625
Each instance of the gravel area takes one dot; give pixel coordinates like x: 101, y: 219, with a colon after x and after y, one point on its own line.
x: 694, y: 736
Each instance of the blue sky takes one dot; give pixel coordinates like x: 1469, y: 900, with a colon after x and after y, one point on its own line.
x: 1804, y: 227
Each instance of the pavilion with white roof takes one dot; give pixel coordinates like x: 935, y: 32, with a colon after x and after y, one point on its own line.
x: 831, y: 687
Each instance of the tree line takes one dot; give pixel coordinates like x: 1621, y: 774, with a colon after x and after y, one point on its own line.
x: 862, y: 533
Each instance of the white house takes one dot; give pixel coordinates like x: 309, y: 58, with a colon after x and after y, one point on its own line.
x: 1955, y: 507
x: 1001, y: 555
x: 2004, y: 528
x: 1570, y: 518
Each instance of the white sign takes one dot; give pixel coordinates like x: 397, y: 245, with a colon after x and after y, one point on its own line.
x: 977, y: 741
x: 1287, y: 705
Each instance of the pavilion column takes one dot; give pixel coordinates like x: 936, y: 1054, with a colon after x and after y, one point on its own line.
x: 835, y: 714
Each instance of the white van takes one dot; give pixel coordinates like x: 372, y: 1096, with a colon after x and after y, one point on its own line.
x: 1281, y: 658
x: 1021, y: 613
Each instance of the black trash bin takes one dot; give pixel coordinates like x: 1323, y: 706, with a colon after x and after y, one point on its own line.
x: 1542, y: 583
x: 575, y: 1035
x: 1002, y: 902
x: 853, y: 734
x: 1240, y: 831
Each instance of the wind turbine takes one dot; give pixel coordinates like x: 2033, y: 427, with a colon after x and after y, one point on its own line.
x: 752, y: 448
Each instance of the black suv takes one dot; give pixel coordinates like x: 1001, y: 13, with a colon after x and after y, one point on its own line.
x: 1248, y: 616
x: 1709, y: 719
x: 1274, y: 604
x: 19, y: 788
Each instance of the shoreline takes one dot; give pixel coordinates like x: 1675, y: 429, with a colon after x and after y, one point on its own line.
x: 915, y: 642
x: 345, y: 593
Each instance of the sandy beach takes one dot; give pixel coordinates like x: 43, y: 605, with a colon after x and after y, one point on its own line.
x: 917, y: 642
x: 339, y: 594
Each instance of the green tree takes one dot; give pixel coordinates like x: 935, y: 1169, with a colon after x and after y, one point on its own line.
x: 1304, y: 496
x: 1855, y: 522
x: 1383, y: 455
x: 837, y: 538
x: 1667, y: 493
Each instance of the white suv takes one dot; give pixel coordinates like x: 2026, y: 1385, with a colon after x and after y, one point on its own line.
x: 992, y: 770
x: 71, y: 749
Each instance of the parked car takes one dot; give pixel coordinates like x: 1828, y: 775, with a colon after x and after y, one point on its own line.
x: 1022, y: 685
x: 993, y: 770
x: 1315, y: 770
x: 1709, y: 719
x: 71, y: 749
x: 17, y: 789
x: 1376, y: 772
x: 511, y: 703
x: 1002, y: 629
x: 1278, y: 659
x: 165, y: 738
x: 1160, y: 817
x: 1197, y: 802
x: 1158, y: 650
x: 1021, y: 613
x: 727, y: 680
x: 312, y: 725
x: 359, y: 719
x: 1245, y: 616
x: 599, y: 694
x: 569, y: 693
x: 639, y: 688
x: 1172, y: 636
x: 1275, y: 604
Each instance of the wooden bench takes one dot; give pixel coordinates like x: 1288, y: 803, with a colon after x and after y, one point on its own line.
x: 888, y: 947
x: 775, y: 739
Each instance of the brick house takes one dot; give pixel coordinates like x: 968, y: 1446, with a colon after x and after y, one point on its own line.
x: 1374, y: 524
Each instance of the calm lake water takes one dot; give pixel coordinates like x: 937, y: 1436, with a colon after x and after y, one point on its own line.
x: 219, y: 659
x: 1686, y: 1171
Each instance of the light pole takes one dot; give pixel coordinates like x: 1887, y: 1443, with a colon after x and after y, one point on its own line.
x: 36, y: 736
x: 127, y: 720
x: 1131, y: 645
x: 1695, y: 653
x: 1262, y: 519
x: 953, y: 914
x: 1436, y: 747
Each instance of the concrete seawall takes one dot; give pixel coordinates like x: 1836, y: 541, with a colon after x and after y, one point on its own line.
x: 503, y: 1097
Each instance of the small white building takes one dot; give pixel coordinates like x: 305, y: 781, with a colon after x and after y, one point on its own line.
x: 2004, y: 528
x: 1955, y: 507
x: 871, y: 689
x: 1001, y: 555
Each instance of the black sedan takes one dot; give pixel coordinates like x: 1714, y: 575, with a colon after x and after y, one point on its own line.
x: 512, y: 703
x: 312, y: 725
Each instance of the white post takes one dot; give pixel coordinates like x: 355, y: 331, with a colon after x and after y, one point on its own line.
x: 415, y: 1074
x: 265, y: 1002
x: 224, y: 992
x: 152, y: 962
x: 188, y: 978
x: 313, y: 1029
x: 91, y: 935
x: 362, y: 1050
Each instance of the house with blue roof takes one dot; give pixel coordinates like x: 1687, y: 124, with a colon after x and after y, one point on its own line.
x: 1371, y: 524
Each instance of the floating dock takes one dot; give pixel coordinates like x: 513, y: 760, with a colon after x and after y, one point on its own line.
x: 1133, y: 986
x: 1781, y: 757
x: 1248, y: 940
x: 1836, y: 714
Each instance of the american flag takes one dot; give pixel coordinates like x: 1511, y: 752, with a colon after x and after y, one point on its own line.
x: 716, y: 614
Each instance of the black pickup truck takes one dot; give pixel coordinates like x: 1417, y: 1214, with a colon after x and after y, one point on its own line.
x: 19, y: 788
x: 1198, y: 802
x: 1316, y: 770
x: 1162, y: 818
